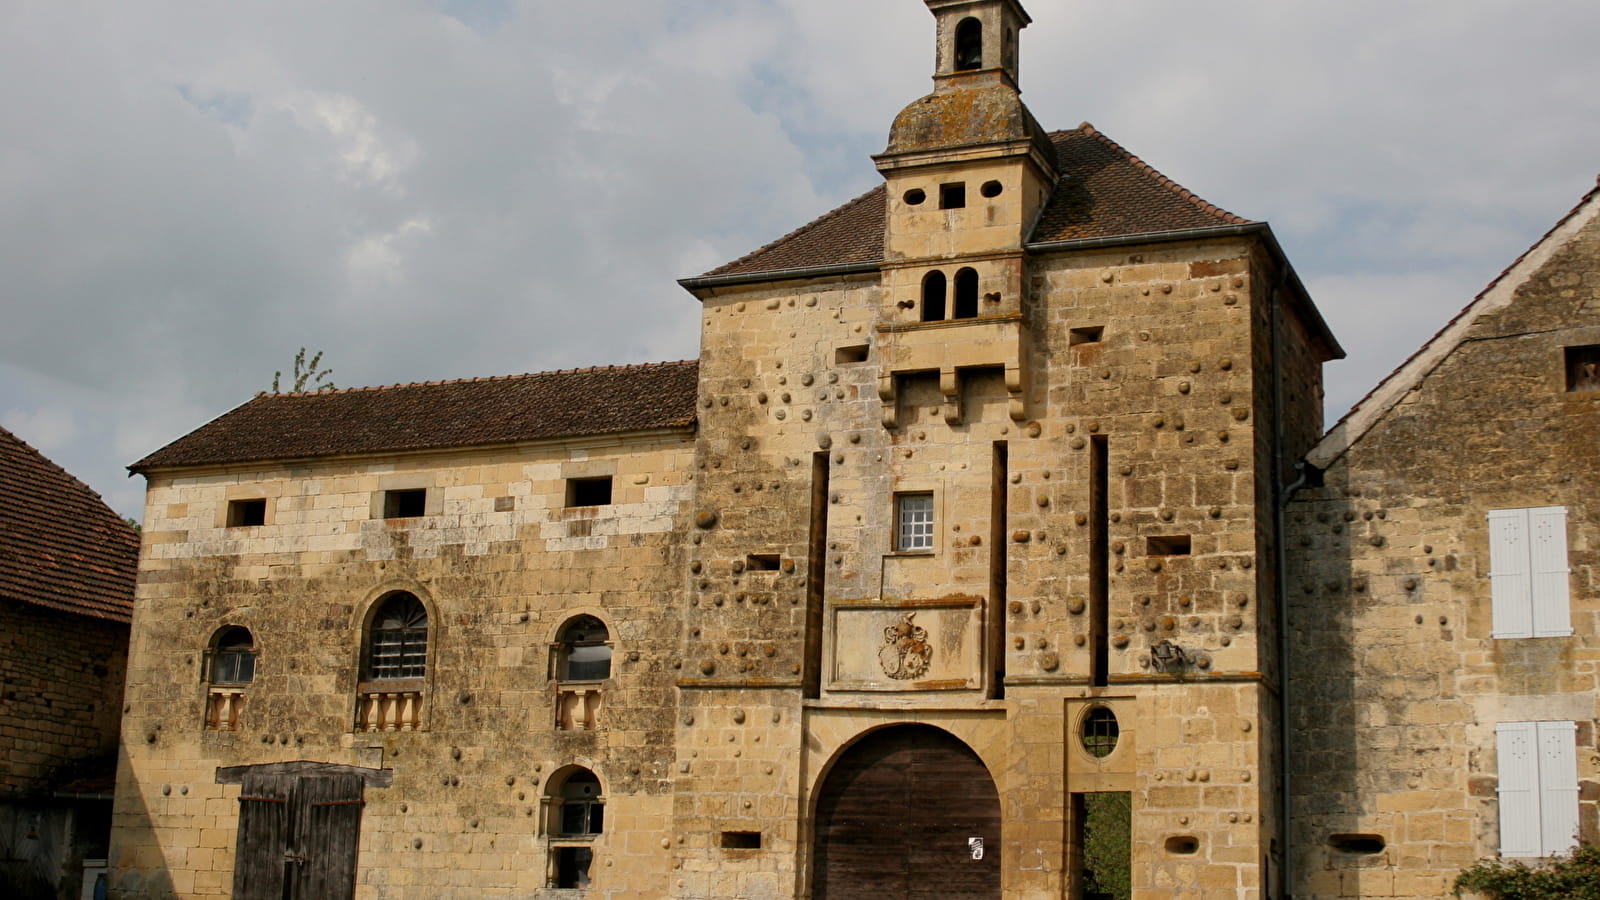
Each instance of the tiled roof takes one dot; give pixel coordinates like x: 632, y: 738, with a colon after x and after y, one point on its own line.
x: 1105, y: 191
x: 61, y: 547
x: 853, y: 233
x: 441, y: 415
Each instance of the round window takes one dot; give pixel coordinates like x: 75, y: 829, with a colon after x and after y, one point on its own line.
x: 991, y: 189
x: 1100, y: 732
x: 915, y: 196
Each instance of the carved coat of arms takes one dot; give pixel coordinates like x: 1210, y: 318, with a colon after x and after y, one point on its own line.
x: 905, y: 653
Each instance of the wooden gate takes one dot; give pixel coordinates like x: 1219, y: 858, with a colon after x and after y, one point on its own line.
x: 897, y: 818
x: 297, y: 837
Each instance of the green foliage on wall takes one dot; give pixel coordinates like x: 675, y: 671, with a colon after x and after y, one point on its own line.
x: 1106, y: 846
x: 1575, y: 877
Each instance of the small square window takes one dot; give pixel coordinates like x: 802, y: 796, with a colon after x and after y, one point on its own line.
x: 953, y: 196
x: 763, y: 562
x: 1583, y: 368
x: 405, y: 504
x: 1088, y: 334
x: 589, y: 491
x: 244, y: 513
x: 856, y: 353
x: 913, y: 522
x: 1170, y: 545
x: 741, y: 840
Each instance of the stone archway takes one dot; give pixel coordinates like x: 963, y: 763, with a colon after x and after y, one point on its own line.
x: 897, y: 817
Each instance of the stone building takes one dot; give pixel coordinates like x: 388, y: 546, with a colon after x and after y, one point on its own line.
x: 953, y: 560
x: 1444, y: 648
x: 67, y: 568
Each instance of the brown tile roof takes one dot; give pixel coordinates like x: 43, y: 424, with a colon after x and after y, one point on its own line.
x: 61, y: 547
x: 1105, y: 191
x: 441, y: 415
x: 853, y: 233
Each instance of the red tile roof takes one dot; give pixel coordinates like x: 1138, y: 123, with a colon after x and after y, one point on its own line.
x: 61, y: 547
x: 1105, y: 191
x: 441, y: 415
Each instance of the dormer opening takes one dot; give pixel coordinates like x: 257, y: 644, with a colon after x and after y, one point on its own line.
x: 969, y: 45
x: 933, y: 296
x: 966, y: 306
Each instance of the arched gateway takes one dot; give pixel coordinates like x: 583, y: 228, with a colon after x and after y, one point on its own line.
x: 907, y: 813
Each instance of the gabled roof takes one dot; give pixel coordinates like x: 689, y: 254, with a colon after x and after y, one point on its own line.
x: 61, y: 547
x: 441, y: 415
x: 1104, y: 192
x: 1369, y: 410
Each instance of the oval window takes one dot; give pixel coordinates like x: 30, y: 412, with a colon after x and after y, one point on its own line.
x: 1100, y: 732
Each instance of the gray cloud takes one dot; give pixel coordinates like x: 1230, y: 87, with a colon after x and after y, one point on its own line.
x: 188, y: 192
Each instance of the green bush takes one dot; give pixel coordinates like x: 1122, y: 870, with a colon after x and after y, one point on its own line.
x: 1574, y: 877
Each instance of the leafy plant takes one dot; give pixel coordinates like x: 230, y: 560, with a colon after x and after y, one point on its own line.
x: 306, y: 374
x: 1107, y: 868
x: 1574, y: 877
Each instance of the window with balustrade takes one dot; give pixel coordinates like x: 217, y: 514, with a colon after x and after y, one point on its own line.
x: 394, y: 665
x: 230, y: 666
x: 581, y: 660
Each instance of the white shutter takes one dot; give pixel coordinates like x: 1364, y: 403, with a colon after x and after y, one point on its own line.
x: 1519, y: 789
x: 1558, y: 786
x: 1509, y: 578
x: 1547, y: 545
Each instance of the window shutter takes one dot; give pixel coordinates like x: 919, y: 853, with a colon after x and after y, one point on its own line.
x: 1509, y: 577
x: 1558, y: 786
x: 1547, y: 529
x: 1519, y: 789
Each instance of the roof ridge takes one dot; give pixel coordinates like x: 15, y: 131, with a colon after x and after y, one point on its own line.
x: 1325, y: 449
x: 831, y: 214
x: 1158, y: 176
x: 485, y: 379
x: 57, y: 466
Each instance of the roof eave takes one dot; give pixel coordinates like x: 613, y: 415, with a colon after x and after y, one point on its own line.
x: 706, y: 282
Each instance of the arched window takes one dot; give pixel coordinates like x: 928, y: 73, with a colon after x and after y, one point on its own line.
x: 585, y: 650
x: 969, y: 45
x: 966, y: 294
x: 398, y: 645
x: 933, y: 292
x: 233, y: 657
x: 576, y: 818
x: 230, y: 668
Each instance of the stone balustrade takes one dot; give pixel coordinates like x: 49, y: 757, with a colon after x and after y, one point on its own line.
x: 223, y: 705
x: 578, y: 707
x: 389, y: 708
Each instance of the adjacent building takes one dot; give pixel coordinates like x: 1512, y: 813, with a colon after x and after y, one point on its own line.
x: 67, y: 568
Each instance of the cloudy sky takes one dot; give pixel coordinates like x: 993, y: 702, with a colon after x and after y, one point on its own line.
x: 428, y: 189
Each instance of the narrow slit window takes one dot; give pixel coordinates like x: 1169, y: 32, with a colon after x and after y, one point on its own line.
x: 245, y: 513
x: 589, y: 491
x: 741, y: 840
x: 1088, y: 334
x: 407, y: 504
x: 914, y: 522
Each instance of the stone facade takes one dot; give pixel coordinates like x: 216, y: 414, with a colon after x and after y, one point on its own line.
x: 983, y: 472
x: 1400, y: 681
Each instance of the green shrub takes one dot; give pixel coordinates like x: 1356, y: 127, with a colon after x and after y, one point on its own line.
x: 1574, y: 877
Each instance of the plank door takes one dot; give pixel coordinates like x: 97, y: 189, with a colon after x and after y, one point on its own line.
x: 896, y: 818
x: 297, y: 837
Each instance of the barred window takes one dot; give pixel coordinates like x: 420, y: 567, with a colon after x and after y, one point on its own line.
x: 914, y: 522
x: 399, y: 645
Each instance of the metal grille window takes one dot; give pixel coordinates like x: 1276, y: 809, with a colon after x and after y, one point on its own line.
x: 399, y: 647
x: 914, y: 527
x: 234, y: 659
x: 585, y: 650
x: 1100, y: 732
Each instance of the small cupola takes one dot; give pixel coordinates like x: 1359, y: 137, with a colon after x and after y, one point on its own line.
x: 978, y: 37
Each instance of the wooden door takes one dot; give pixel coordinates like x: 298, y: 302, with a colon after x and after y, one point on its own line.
x: 896, y: 819
x: 297, y: 837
